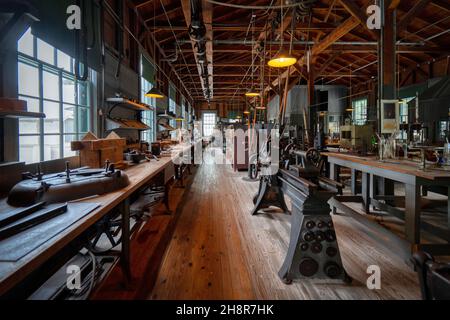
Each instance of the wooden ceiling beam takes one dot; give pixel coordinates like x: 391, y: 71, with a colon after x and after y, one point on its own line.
x: 327, y: 63
x: 162, y: 14
x: 331, y: 38
x: 208, y: 20
x: 360, y: 15
x: 300, y: 26
x: 207, y: 17
x: 411, y: 14
x: 441, y: 4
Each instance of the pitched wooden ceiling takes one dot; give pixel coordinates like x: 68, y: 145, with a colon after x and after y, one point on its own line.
x: 343, y: 50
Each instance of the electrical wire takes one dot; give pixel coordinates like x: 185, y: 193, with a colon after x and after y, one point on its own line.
x: 269, y: 7
x: 112, y: 13
x: 176, y: 41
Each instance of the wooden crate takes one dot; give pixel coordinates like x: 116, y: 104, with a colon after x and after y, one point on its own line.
x: 94, y: 152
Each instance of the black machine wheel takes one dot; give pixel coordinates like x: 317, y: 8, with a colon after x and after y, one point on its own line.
x: 313, y: 155
x: 112, y: 229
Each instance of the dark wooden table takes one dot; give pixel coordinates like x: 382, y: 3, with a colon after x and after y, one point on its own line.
x: 405, y: 172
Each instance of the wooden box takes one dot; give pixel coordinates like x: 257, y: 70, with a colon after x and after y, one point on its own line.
x: 94, y: 152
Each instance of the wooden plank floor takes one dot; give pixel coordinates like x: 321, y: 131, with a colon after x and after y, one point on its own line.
x: 219, y: 251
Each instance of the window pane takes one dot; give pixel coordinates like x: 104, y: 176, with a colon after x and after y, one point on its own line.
x: 64, y: 61
x: 83, y: 119
x: 83, y: 93
x: 51, y: 86
x: 45, y: 52
x: 32, y: 104
x: 25, y: 44
x: 29, y: 150
x: 51, y: 121
x: 67, y: 149
x: 30, y: 125
x: 69, y: 119
x: 68, y: 90
x: 51, y: 147
x: 28, y: 80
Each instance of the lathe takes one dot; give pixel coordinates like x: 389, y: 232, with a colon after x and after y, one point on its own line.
x: 313, y: 251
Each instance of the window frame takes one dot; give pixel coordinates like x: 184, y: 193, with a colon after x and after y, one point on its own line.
x: 359, y: 114
x: 212, y: 124
x: 148, y: 117
x: 77, y: 105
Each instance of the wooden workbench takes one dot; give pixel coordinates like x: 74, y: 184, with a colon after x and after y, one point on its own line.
x: 402, y: 171
x: 12, y: 273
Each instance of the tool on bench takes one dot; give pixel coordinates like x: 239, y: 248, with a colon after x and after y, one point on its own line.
x: 66, y: 186
x: 30, y: 217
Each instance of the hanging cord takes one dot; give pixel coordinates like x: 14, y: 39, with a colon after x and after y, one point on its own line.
x: 94, y: 5
x: 80, y: 40
x: 85, y: 293
x: 239, y: 6
x: 120, y: 44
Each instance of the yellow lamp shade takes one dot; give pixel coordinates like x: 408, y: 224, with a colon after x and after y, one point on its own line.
x: 252, y: 93
x: 282, y: 60
x: 154, y: 93
x: 246, y: 112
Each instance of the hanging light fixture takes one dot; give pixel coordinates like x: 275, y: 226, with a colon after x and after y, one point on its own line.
x: 283, y: 58
x: 252, y: 92
x: 155, y: 92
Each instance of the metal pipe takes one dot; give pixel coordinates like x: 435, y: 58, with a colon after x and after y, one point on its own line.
x: 342, y: 43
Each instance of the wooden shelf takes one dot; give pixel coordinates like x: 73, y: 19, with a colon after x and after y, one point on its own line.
x: 125, y: 124
x: 166, y: 116
x: 129, y: 104
x: 20, y: 114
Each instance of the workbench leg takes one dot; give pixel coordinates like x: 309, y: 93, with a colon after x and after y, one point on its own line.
x: 125, y: 261
x: 448, y: 208
x: 366, y: 192
x: 354, y: 182
x: 386, y: 187
x: 334, y: 172
x: 412, y: 214
x: 373, y: 188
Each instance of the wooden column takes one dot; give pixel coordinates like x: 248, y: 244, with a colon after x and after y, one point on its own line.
x: 388, y: 55
x: 388, y: 63
x: 310, y: 110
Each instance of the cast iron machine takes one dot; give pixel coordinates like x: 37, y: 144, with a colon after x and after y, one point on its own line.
x: 313, y: 251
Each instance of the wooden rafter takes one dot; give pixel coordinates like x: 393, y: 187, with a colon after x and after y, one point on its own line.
x: 359, y: 14
x: 334, y: 36
x: 407, y: 19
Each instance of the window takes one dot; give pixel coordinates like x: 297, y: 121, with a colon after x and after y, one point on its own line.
x: 209, y: 123
x: 359, y: 111
x: 404, y: 115
x: 444, y: 129
x: 148, y: 117
x: 48, y: 84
